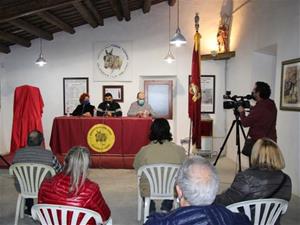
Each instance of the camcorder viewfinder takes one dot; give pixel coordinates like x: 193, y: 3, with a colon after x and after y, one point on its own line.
x: 233, y: 102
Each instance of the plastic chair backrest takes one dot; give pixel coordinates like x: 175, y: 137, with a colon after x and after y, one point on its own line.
x: 30, y: 176
x: 49, y: 214
x: 261, y: 211
x: 161, y: 178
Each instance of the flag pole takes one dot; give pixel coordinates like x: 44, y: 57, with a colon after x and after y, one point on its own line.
x: 196, y: 19
x: 190, y: 138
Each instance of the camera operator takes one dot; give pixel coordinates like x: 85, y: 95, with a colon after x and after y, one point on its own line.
x: 262, y: 117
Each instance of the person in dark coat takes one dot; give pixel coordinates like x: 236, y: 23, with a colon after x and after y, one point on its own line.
x: 262, y: 117
x: 263, y: 180
x: 196, y: 185
x: 109, y: 107
x: 85, y: 108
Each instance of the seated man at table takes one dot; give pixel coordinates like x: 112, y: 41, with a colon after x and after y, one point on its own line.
x: 85, y: 108
x: 140, y: 108
x: 109, y: 107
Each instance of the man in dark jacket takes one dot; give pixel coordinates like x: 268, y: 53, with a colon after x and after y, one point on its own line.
x: 197, y: 185
x: 109, y: 107
x: 262, y: 117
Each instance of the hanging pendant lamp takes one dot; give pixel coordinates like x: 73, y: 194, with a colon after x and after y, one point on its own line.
x: 169, y: 57
x: 178, y: 39
x: 41, y: 60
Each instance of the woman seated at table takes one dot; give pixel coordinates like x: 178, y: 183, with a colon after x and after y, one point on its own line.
x: 263, y: 180
x: 71, y: 187
x: 85, y: 108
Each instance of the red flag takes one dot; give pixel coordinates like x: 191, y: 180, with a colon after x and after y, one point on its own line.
x: 195, y: 93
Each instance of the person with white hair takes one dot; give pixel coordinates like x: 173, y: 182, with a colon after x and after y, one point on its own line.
x: 197, y: 185
x: 72, y: 187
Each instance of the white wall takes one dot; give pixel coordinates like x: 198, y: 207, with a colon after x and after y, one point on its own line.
x: 256, y: 26
x: 71, y: 55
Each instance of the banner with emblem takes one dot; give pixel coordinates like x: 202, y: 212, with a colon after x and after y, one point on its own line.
x: 195, y: 93
x: 112, y: 61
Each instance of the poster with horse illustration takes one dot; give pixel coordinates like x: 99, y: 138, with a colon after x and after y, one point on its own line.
x: 112, y: 61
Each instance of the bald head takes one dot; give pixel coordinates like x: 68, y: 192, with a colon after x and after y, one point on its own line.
x: 35, y: 138
x: 198, y: 181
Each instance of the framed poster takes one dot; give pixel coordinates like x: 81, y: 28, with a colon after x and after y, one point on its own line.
x: 112, y: 61
x: 72, y: 89
x: 208, y: 92
x: 117, y: 92
x: 290, y: 85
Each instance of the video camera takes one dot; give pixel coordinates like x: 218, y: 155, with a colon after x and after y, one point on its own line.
x: 233, y: 102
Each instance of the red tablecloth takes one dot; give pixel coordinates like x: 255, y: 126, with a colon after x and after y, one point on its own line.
x: 130, y: 135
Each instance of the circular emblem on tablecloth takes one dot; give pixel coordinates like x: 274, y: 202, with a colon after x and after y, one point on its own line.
x: 101, y: 138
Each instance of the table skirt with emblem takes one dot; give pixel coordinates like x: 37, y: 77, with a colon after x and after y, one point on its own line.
x: 113, y: 142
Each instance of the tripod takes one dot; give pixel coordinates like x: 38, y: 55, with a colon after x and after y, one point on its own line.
x: 238, y: 124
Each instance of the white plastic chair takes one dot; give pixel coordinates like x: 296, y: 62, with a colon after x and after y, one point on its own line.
x: 49, y: 214
x: 30, y: 177
x: 161, y: 178
x: 261, y: 211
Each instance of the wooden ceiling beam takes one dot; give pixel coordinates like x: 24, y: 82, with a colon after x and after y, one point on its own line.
x: 146, y: 6
x: 31, y: 29
x: 85, y: 13
x: 91, y: 6
x: 4, y: 49
x: 115, y: 5
x: 20, y: 8
x: 125, y: 9
x: 171, y: 2
x: 50, y: 18
x: 14, y: 39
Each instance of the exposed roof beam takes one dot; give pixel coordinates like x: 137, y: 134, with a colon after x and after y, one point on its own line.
x: 115, y: 5
x: 91, y: 6
x: 17, y: 9
x: 146, y: 6
x: 4, y: 49
x: 125, y: 9
x: 14, y: 39
x: 50, y: 18
x: 171, y: 2
x: 31, y: 29
x: 85, y: 13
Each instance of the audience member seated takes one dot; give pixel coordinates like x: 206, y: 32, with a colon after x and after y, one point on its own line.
x: 160, y: 150
x: 34, y: 152
x: 263, y: 180
x: 71, y: 187
x: 85, y: 108
x: 109, y: 107
x: 140, y: 108
x: 196, y: 185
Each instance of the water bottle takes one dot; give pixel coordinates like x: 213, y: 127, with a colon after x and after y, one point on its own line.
x: 68, y: 111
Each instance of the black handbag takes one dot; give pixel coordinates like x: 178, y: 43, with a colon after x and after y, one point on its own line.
x: 247, y: 149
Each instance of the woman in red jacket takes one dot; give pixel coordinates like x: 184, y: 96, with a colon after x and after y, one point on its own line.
x: 71, y: 187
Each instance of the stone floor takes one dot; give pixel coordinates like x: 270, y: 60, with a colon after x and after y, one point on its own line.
x: 119, y: 190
